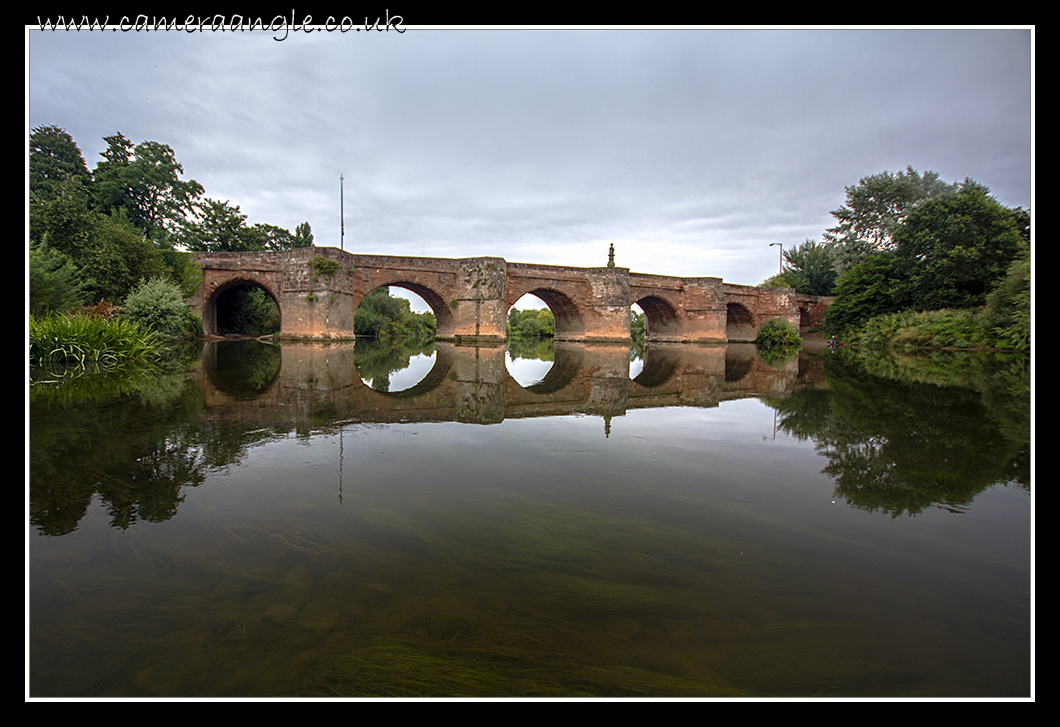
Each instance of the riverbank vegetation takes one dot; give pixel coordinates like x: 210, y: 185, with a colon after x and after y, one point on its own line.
x: 118, y: 237
x: 914, y: 262
x: 153, y: 325
x: 88, y: 342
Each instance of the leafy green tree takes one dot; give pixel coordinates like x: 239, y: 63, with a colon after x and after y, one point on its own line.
x: 303, y: 236
x: 267, y: 237
x: 810, y: 269
x: 117, y: 255
x: 531, y: 323
x: 145, y: 181
x: 221, y: 226
x: 381, y: 315
x: 864, y: 291
x: 1008, y: 307
x: 61, y: 211
x: 56, y: 285
x: 953, y: 250
x: 54, y: 157
x: 270, y: 237
x: 183, y: 269
x: 636, y: 325
x: 546, y: 322
x: 874, y: 210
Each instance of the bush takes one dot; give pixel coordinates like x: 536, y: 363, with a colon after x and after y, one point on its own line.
x: 1008, y: 308
x: 777, y: 333
x: 158, y: 305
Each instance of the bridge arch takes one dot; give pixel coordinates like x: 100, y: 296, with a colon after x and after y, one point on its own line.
x: 569, y: 320
x: 443, y: 312
x: 739, y: 323
x: 660, y: 365
x: 438, y: 374
x: 227, y: 364
x: 660, y: 318
x: 215, y: 307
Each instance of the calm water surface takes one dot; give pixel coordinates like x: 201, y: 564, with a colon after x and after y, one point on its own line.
x: 296, y: 522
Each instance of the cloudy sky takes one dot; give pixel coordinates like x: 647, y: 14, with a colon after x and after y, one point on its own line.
x: 690, y: 150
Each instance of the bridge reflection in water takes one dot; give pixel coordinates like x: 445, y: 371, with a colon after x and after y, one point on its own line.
x: 307, y: 382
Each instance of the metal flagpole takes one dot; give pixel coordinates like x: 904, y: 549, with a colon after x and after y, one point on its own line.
x: 342, y: 218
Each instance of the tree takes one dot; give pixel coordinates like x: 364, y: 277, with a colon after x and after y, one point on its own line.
x: 382, y: 316
x: 953, y: 250
x: 810, y: 269
x: 875, y: 208
x: 1008, y: 307
x: 59, y: 183
x: 56, y: 285
x: 144, y: 181
x: 60, y: 210
x: 303, y: 236
x: 531, y: 323
x: 863, y: 292
x: 117, y: 256
x: 270, y: 237
x: 54, y: 157
x: 219, y: 227
x: 267, y: 237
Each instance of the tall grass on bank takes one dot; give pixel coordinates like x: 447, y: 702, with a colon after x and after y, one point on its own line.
x: 968, y: 328
x: 88, y: 342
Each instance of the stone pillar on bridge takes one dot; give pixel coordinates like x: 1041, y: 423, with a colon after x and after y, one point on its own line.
x: 480, y: 314
x: 607, y: 313
x: 317, y: 302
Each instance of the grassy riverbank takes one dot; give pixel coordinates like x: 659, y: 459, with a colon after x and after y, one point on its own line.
x: 965, y: 328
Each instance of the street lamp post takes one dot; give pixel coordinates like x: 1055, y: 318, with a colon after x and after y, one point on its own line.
x: 781, y: 269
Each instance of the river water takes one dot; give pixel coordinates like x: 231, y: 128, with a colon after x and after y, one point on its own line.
x: 309, y: 521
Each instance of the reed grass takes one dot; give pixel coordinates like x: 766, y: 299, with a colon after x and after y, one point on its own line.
x: 88, y: 341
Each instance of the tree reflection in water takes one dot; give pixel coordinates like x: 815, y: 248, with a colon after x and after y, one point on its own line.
x: 900, y: 446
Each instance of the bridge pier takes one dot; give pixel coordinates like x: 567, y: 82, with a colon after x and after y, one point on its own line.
x: 479, y: 314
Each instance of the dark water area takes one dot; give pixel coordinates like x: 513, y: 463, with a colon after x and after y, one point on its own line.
x: 428, y: 520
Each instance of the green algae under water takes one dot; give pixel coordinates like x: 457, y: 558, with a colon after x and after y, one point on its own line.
x: 680, y: 551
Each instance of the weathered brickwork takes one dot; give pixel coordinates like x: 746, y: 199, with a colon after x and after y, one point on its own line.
x: 747, y: 308
x: 812, y: 309
x: 318, y: 290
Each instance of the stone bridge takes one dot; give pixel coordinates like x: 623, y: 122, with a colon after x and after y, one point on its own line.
x: 317, y: 291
